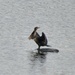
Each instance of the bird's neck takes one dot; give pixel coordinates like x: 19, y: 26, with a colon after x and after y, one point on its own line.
x: 35, y: 30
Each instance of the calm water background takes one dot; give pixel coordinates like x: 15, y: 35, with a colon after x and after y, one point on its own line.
x: 56, y: 18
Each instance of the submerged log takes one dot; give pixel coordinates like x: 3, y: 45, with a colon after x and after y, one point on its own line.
x: 49, y: 50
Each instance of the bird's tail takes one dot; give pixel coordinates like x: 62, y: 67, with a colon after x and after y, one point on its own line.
x: 48, y: 45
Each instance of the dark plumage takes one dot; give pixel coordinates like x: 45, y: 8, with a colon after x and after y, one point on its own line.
x: 40, y: 40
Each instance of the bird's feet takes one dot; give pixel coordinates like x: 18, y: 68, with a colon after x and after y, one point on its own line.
x: 38, y: 48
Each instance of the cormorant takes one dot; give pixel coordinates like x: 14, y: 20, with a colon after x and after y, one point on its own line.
x: 40, y: 40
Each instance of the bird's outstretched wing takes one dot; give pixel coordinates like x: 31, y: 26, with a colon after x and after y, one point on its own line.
x: 43, y: 38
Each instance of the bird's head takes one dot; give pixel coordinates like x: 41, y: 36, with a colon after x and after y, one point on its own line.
x: 36, y: 28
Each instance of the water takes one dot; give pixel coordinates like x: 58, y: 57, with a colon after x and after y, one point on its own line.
x: 18, y: 55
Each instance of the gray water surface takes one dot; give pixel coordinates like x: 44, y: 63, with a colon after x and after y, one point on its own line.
x: 18, y: 54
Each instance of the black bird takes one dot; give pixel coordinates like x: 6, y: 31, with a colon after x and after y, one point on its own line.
x: 40, y: 40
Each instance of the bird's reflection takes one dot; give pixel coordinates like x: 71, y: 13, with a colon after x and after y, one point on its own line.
x: 34, y: 56
x: 36, y: 62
